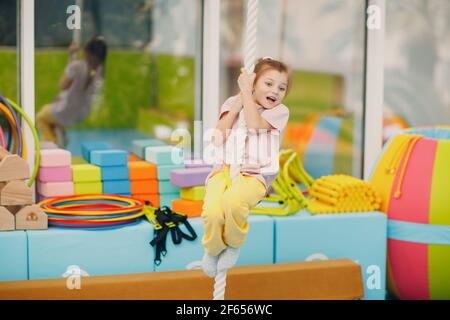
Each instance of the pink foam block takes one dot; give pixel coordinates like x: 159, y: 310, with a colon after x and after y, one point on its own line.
x: 55, y: 174
x: 55, y: 189
x: 185, y: 178
x: 55, y: 158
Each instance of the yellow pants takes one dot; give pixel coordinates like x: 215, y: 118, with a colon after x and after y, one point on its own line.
x: 46, y: 124
x: 225, y: 210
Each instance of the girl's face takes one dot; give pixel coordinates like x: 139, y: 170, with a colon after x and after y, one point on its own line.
x: 270, y: 89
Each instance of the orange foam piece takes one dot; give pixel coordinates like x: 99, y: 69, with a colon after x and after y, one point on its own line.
x: 142, y: 170
x: 132, y: 157
x: 188, y: 207
x: 144, y: 186
x: 152, y: 198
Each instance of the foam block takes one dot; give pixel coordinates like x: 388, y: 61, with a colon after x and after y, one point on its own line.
x: 153, y: 199
x: 186, y: 178
x: 112, y: 251
x: 142, y: 170
x: 358, y: 236
x: 86, y: 173
x: 257, y: 249
x: 188, y: 207
x: 114, y: 173
x: 56, y: 174
x: 117, y: 187
x: 55, y: 158
x: 165, y: 170
x: 166, y: 186
x: 55, y: 189
x: 144, y: 186
x: 193, y: 193
x: 108, y: 158
x: 87, y: 147
x: 166, y: 199
x: 138, y: 146
x: 132, y: 157
x: 78, y: 160
x: 195, y: 163
x: 13, y: 256
x: 88, y: 187
x: 48, y: 145
x: 164, y: 155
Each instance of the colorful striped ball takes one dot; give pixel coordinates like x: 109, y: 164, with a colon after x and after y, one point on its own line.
x: 413, y: 178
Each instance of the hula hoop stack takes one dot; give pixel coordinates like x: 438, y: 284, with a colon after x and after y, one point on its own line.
x: 92, y: 211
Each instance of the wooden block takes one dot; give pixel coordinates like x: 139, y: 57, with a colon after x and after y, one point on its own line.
x: 144, y: 186
x: 12, y: 167
x: 7, y: 221
x: 142, y: 170
x: 317, y: 280
x: 188, y: 207
x: 31, y: 218
x: 15, y: 193
x: 13, y: 209
x: 193, y: 193
x: 153, y: 199
x: 55, y: 158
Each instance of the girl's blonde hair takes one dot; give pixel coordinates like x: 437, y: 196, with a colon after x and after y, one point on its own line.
x: 267, y: 63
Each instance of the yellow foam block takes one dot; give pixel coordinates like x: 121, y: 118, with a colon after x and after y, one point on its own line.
x: 193, y: 193
x: 86, y: 173
x: 88, y: 187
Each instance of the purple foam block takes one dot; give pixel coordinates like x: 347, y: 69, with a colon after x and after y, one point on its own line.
x: 196, y: 163
x: 185, y: 178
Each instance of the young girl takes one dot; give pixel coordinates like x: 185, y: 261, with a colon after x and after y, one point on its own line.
x: 80, y: 81
x: 233, y: 189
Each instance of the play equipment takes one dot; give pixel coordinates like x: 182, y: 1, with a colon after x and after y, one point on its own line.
x: 9, y: 109
x: 341, y: 193
x: 412, y: 177
x: 16, y: 197
x: 287, y: 192
x: 109, y: 158
x: 92, y: 211
x: 164, y: 221
x: 333, y: 279
x: 190, y: 208
x: 186, y: 178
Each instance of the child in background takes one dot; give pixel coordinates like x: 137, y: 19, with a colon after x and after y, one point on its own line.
x: 233, y: 189
x: 79, y: 83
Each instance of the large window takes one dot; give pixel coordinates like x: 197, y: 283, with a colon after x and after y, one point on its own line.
x: 417, y: 64
x: 9, y: 49
x: 323, y: 43
x: 150, y: 76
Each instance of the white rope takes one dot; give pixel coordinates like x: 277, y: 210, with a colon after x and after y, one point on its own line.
x: 249, y: 64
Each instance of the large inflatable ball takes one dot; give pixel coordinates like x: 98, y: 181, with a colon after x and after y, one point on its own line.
x: 413, y: 177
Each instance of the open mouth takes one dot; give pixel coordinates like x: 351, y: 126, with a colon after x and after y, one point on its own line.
x: 271, y: 99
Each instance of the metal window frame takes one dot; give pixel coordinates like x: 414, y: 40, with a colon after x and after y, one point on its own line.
x: 27, y: 69
x: 210, y: 94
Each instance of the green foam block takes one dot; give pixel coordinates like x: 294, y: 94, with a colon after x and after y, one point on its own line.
x: 138, y: 146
